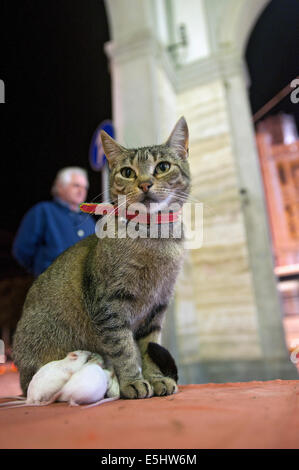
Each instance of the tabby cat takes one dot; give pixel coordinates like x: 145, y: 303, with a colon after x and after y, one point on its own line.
x: 109, y: 295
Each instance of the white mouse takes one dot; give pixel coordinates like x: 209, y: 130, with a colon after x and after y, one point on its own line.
x: 90, y: 384
x: 46, y: 384
x: 77, y: 379
x: 112, y: 387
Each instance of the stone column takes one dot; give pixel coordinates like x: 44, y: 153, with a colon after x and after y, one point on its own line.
x: 239, y: 319
x: 272, y: 337
x: 143, y: 95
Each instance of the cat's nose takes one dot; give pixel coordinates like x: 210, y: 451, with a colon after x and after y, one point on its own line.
x: 145, y: 186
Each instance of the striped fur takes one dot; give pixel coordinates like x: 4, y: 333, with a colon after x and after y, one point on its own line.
x: 109, y: 296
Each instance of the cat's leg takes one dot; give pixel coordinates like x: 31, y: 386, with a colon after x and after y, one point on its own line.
x: 151, y: 332
x: 119, y: 347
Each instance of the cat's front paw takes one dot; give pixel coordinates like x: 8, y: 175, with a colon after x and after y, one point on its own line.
x: 137, y: 389
x: 164, y: 386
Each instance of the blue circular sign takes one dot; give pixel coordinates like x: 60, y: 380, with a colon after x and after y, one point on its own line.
x: 97, y: 156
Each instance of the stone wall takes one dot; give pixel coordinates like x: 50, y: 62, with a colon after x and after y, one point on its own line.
x: 223, y: 324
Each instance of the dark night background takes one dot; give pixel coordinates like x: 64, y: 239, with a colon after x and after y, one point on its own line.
x: 57, y: 86
x: 272, y: 55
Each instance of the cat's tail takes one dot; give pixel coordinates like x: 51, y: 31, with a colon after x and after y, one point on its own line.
x: 164, y: 360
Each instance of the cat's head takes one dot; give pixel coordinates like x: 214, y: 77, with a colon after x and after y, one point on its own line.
x: 156, y: 174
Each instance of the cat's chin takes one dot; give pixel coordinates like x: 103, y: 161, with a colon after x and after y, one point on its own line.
x: 155, y: 206
x: 151, y: 204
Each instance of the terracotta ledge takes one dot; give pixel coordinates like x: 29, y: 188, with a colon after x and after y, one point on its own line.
x: 231, y: 415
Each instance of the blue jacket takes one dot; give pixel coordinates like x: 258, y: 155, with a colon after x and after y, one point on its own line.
x: 46, y: 230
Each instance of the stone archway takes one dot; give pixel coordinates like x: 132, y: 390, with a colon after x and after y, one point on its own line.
x: 238, y: 21
x: 137, y: 56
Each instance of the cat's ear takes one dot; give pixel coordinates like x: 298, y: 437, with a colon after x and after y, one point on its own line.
x: 179, y: 138
x: 111, y: 148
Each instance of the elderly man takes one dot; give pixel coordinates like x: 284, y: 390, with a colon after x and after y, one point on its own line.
x: 50, y: 227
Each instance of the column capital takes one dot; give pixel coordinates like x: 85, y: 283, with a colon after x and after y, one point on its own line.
x: 143, y: 44
x: 222, y: 65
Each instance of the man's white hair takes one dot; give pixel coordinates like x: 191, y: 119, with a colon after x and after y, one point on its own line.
x: 64, y: 177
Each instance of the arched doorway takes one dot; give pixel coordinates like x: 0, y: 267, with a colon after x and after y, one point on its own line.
x: 237, y: 23
x: 276, y: 118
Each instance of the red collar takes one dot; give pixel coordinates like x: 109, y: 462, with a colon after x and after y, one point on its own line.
x: 102, y: 208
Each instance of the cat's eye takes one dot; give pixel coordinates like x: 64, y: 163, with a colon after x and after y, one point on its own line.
x: 162, y: 167
x: 128, y: 172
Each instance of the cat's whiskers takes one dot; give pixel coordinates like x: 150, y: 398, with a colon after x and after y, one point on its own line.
x: 97, y: 196
x: 186, y: 197
x: 180, y: 193
x: 181, y: 196
x: 88, y: 215
x: 118, y: 206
